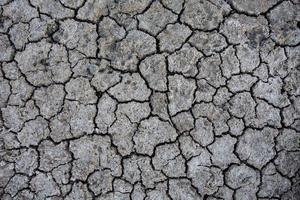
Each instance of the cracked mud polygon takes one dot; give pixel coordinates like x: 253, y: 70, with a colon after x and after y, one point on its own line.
x: 149, y: 99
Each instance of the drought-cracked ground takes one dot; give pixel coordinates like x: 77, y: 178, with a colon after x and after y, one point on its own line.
x: 155, y: 100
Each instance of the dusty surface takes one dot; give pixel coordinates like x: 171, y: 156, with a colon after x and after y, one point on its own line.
x: 141, y: 99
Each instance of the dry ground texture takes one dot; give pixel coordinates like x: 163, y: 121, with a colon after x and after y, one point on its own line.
x: 149, y: 99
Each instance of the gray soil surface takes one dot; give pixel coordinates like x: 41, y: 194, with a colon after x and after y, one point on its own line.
x: 149, y: 99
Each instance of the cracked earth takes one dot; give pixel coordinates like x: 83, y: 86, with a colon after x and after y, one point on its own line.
x: 149, y: 99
